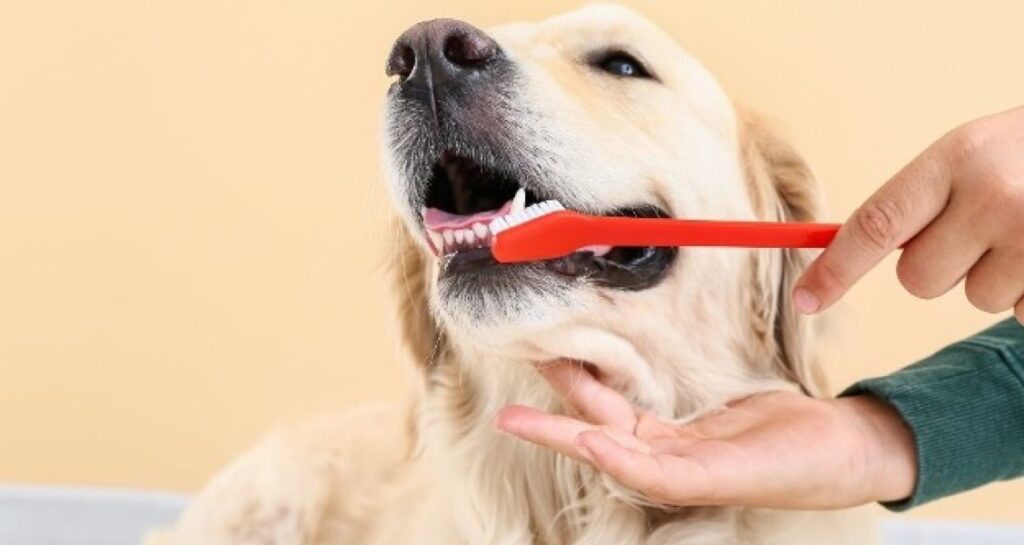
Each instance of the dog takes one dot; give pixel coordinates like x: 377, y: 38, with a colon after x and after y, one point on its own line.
x: 603, y: 112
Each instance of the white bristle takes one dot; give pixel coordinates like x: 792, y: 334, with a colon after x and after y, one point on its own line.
x: 529, y: 213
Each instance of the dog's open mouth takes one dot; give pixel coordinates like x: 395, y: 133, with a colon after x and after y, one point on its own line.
x: 463, y: 197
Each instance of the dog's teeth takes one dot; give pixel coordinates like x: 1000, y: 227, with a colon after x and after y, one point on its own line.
x: 437, y: 240
x: 481, y: 231
x: 518, y: 202
x: 449, y: 237
x: 469, y: 236
x: 460, y: 235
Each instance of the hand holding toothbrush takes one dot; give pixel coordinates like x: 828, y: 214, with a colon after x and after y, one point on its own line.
x: 958, y: 211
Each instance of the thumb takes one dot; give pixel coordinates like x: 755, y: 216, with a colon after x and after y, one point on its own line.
x: 900, y: 209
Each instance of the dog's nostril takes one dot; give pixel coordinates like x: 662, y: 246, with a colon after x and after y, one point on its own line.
x: 433, y: 51
x: 468, y: 47
x: 401, y: 61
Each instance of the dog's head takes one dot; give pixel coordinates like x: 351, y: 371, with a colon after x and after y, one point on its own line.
x: 602, y: 111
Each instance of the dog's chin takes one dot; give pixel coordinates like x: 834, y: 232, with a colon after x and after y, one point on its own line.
x: 488, y: 303
x: 477, y: 294
x: 527, y: 314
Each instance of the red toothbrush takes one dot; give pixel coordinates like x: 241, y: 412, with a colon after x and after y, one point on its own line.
x: 547, y: 231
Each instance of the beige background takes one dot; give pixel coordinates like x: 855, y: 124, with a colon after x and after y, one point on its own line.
x: 190, y: 204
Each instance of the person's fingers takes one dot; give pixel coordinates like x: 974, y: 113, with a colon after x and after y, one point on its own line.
x: 1018, y: 311
x: 596, y: 402
x: 626, y: 439
x: 649, y: 426
x: 996, y: 282
x: 547, y: 430
x: 672, y: 480
x: 940, y: 255
x: 894, y: 214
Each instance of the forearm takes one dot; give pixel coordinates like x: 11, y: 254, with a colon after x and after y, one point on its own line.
x: 965, y: 408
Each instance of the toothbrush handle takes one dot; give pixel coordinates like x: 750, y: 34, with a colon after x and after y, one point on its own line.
x: 621, y: 231
x: 560, y: 233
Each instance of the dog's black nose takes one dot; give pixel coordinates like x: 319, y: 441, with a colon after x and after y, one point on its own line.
x: 439, y: 53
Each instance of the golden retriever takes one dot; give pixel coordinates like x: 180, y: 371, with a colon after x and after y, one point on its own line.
x: 602, y: 111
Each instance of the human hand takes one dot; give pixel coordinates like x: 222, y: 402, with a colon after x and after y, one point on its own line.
x: 958, y: 208
x: 778, y: 450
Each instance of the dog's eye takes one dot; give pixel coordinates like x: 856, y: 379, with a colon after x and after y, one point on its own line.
x: 622, y: 65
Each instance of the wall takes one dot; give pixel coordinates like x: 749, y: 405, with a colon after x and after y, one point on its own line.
x: 191, y: 209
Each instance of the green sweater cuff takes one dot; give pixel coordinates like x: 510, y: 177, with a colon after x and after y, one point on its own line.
x: 965, y: 406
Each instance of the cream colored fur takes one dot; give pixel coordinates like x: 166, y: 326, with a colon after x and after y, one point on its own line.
x: 719, y: 326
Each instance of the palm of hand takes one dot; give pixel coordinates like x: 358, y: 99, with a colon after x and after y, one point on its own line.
x: 777, y: 449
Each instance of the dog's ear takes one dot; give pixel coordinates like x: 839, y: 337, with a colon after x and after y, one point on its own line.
x: 782, y: 188
x: 422, y: 335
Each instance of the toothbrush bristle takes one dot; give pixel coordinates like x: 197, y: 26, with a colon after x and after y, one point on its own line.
x: 529, y: 213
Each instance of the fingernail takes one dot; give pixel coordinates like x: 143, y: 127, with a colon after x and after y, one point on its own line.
x: 805, y: 301
x: 582, y: 449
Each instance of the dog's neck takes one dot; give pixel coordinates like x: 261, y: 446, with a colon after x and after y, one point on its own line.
x: 508, y: 492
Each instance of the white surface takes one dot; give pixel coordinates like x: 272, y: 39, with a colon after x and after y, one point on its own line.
x: 40, y: 515
x: 941, y: 532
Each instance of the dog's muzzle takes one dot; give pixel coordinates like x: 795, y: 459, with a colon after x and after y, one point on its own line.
x: 454, y: 128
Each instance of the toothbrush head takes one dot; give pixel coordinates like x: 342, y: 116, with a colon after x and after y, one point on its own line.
x: 545, y: 230
x: 529, y: 213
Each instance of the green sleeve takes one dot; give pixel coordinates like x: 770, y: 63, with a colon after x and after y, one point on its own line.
x: 965, y: 406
